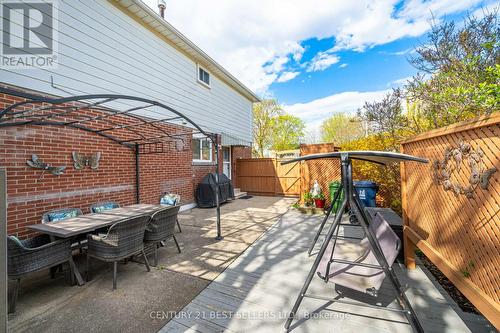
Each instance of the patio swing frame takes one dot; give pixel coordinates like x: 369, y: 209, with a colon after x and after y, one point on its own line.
x: 352, y: 201
x: 38, y: 110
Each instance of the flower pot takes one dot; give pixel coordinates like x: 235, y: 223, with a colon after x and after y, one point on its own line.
x: 319, y: 203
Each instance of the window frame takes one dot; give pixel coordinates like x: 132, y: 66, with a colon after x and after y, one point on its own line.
x: 210, y: 147
x: 207, y: 85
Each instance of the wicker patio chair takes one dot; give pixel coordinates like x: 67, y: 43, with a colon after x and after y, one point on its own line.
x: 160, y: 228
x: 63, y: 214
x: 102, y: 206
x: 60, y: 214
x: 170, y: 199
x: 35, y: 254
x: 123, y: 240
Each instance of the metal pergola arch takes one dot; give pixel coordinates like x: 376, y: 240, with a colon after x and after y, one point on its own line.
x: 138, y: 127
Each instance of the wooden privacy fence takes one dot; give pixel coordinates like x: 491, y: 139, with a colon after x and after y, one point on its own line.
x: 451, y: 207
x: 266, y: 176
x: 324, y: 170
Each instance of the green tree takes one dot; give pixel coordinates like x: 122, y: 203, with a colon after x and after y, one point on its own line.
x: 460, y: 72
x: 287, y: 132
x: 263, y: 115
x: 341, y: 128
x: 459, y: 79
x: 388, y: 177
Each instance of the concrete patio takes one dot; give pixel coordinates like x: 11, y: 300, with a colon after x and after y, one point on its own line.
x: 52, y: 305
x: 244, y: 283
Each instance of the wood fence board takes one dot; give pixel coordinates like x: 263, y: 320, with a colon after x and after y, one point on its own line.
x: 266, y: 176
x: 460, y: 235
x: 324, y: 171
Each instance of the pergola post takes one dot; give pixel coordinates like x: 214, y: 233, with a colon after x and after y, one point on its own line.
x: 215, y: 142
x: 137, y: 175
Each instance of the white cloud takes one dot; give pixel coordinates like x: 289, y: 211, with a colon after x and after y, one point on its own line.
x: 314, y: 112
x: 257, y: 40
x: 400, y: 53
x: 287, y: 76
x: 322, y: 61
x: 344, y: 65
x: 490, y: 8
x: 417, y: 9
x: 399, y: 82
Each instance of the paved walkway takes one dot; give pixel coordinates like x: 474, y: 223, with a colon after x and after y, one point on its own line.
x: 255, y: 291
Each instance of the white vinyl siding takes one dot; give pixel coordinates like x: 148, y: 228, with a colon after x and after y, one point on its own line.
x: 103, y: 50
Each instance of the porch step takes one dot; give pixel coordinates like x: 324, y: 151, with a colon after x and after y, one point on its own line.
x: 238, y: 194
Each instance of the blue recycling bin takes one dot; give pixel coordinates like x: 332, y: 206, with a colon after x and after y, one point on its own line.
x: 367, y: 192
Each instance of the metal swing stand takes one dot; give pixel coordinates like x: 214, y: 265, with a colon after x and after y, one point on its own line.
x: 352, y: 201
x: 327, y: 216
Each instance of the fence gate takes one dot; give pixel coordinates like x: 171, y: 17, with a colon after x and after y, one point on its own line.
x: 266, y: 176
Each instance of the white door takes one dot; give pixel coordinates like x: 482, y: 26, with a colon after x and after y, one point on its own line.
x: 226, y: 161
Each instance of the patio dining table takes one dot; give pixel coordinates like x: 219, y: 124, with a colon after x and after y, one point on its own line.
x: 87, y: 223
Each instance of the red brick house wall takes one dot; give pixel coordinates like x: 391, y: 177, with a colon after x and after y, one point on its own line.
x: 29, y: 194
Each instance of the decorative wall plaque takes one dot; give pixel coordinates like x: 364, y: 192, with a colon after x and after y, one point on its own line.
x: 36, y: 163
x: 446, y: 171
x: 81, y: 161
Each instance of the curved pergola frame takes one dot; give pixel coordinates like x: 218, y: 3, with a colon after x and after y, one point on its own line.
x: 146, y: 126
x: 73, y: 112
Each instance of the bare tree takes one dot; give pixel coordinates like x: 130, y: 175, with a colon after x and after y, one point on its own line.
x: 385, y: 115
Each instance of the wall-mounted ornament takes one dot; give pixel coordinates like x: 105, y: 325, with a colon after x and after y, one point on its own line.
x: 36, y: 163
x: 81, y: 161
x: 445, y: 171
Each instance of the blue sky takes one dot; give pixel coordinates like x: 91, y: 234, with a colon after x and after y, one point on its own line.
x: 317, y: 57
x: 374, y: 69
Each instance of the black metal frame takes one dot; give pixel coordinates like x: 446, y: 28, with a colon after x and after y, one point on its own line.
x: 328, y: 212
x: 3, y: 250
x: 48, y: 111
x: 352, y: 201
x: 54, y: 108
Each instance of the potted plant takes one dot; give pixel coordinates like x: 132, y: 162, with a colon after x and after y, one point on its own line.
x: 308, y: 199
x: 319, y: 200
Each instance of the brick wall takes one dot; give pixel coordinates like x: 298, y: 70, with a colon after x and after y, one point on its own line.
x: 200, y: 171
x: 30, y: 194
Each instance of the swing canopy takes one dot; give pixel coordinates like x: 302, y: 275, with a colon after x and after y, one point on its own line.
x: 379, y: 157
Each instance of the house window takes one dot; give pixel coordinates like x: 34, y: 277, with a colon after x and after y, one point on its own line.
x: 202, y: 150
x: 203, y: 76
